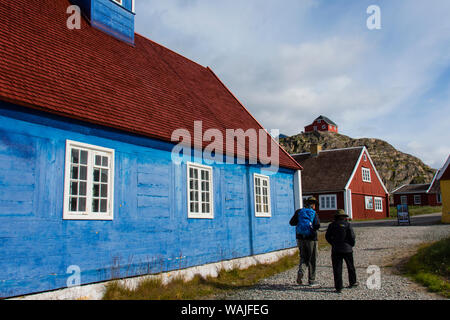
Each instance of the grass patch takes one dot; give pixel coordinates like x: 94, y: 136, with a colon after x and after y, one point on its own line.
x: 416, y: 210
x: 198, y: 288
x: 430, y: 266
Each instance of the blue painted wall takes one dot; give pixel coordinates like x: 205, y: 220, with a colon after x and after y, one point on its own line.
x: 110, y: 17
x: 150, y: 229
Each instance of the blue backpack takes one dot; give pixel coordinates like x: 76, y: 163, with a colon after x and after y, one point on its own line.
x: 305, y: 222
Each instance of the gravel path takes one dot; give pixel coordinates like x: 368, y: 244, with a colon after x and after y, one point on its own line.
x: 382, y: 246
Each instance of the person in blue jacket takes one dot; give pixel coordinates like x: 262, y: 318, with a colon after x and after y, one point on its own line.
x: 307, y: 223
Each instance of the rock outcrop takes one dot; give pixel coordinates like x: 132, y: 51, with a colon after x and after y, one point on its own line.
x: 395, y: 168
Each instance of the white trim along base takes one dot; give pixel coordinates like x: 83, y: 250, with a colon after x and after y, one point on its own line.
x: 96, y: 291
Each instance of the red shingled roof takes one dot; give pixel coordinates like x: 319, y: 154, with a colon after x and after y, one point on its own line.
x: 90, y: 76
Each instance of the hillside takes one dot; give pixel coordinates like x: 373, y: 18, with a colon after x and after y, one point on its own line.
x: 395, y: 168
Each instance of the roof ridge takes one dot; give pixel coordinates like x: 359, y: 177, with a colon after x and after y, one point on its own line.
x: 163, y: 46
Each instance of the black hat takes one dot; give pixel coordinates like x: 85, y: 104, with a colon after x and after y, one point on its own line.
x: 340, y: 213
x: 312, y: 200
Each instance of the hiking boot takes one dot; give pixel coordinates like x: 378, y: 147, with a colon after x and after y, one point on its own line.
x: 299, y: 279
x: 313, y: 284
x: 353, y: 285
x: 338, y: 290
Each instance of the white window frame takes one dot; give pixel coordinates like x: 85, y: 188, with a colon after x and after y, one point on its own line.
x: 261, y: 213
x: 200, y: 168
x: 419, y: 197
x: 324, y: 126
x: 368, y: 200
x: 323, y: 202
x: 403, y: 200
x: 120, y: 2
x: 366, y: 174
x: 88, y: 214
x: 378, y: 204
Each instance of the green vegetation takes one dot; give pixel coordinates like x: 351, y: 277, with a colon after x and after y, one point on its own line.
x: 431, y: 267
x: 199, y: 288
x: 416, y: 210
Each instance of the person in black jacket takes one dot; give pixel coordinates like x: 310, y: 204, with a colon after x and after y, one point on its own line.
x: 341, y: 236
x: 307, y: 245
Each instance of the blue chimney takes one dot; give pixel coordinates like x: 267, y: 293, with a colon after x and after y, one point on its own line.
x: 115, y: 17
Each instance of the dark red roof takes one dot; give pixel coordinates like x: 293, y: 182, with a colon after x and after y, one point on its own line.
x: 330, y: 170
x: 412, y: 188
x: 91, y: 76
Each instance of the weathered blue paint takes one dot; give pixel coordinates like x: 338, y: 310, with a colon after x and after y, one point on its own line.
x: 110, y: 17
x: 150, y: 230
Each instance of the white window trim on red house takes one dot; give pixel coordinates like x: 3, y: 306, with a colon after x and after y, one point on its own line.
x: 323, y: 201
x: 366, y: 174
x: 378, y: 204
x: 368, y: 200
x: 417, y: 196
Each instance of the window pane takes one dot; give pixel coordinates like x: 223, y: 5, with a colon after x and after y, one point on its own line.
x: 83, y: 157
x: 103, y: 205
x: 104, y: 161
x: 82, y: 204
x: 75, y: 156
x: 73, y: 204
x: 98, y: 160
x: 104, y: 191
x: 95, y: 205
x: 83, y: 189
x: 74, y: 188
x: 83, y: 173
x: 74, y: 171
x: 96, y: 190
x: 96, y: 175
x: 104, y: 175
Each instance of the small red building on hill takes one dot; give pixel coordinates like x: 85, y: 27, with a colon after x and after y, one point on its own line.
x: 343, y: 179
x: 322, y: 123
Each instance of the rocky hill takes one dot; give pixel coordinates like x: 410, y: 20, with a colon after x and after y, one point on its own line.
x: 395, y: 168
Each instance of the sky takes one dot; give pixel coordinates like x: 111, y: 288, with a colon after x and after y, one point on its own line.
x: 289, y: 61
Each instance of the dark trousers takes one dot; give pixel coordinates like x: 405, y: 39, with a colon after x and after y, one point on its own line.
x: 308, y: 256
x: 337, y: 259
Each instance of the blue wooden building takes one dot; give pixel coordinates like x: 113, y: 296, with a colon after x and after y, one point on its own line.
x: 87, y: 176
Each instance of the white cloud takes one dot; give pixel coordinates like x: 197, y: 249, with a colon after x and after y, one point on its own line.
x: 290, y: 61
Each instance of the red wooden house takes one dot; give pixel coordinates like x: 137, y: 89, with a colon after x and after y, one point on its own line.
x: 343, y: 179
x: 419, y: 194
x: 322, y: 123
